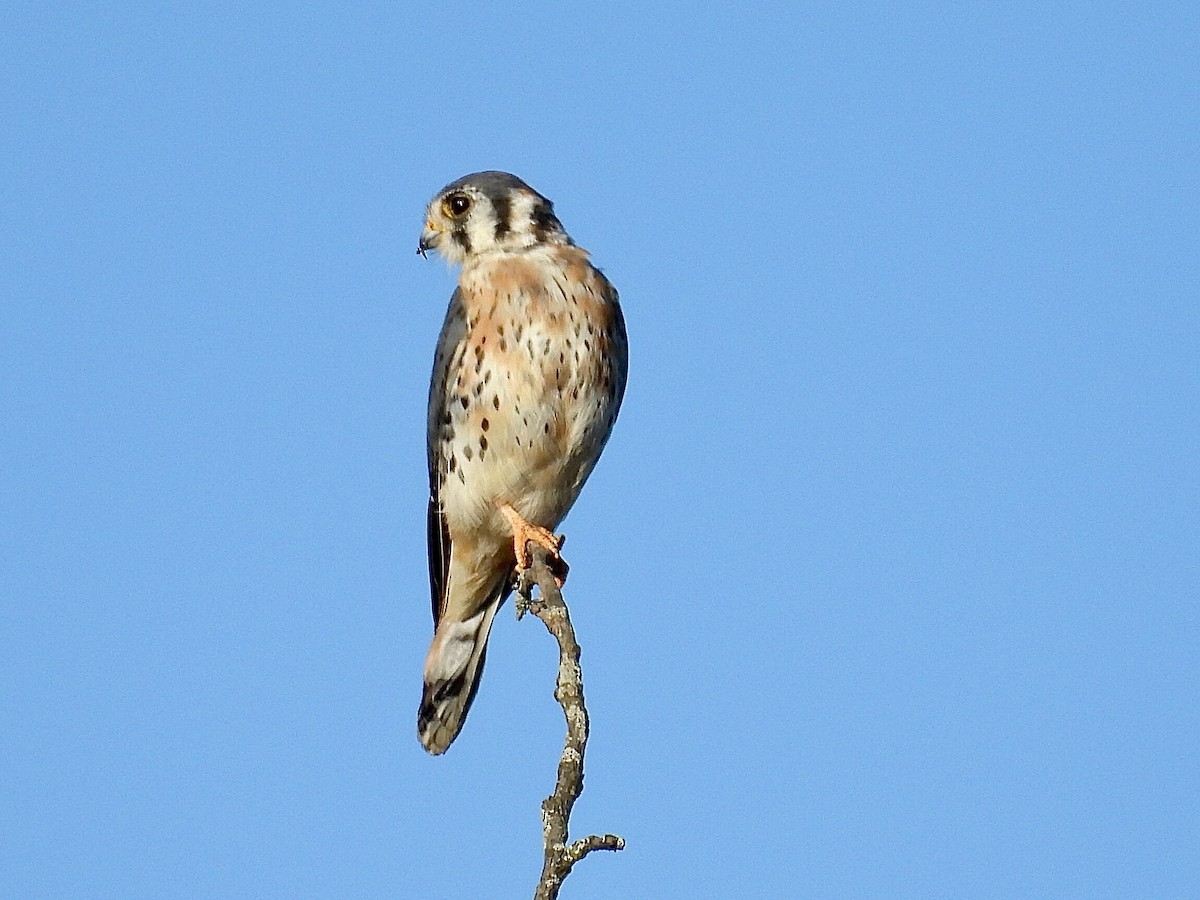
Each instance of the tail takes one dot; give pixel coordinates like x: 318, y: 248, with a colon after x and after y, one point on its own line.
x: 452, y: 672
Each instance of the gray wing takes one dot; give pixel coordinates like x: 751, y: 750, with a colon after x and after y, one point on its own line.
x: 439, y: 434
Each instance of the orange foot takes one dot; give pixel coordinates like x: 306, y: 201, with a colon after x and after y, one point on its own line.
x: 526, y: 533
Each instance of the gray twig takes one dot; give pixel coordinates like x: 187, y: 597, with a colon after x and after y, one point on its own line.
x: 559, y: 856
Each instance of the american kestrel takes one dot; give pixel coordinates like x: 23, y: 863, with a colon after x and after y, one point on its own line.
x: 527, y: 380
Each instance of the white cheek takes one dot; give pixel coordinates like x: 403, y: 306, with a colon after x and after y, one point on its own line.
x: 481, y: 229
x: 522, y: 217
x: 451, y: 251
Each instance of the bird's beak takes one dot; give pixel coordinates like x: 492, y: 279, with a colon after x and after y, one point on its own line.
x: 429, y: 239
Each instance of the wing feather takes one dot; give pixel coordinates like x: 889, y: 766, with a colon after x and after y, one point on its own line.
x: 449, y: 352
x: 439, y: 554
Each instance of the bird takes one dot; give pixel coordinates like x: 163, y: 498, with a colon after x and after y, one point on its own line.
x: 528, y: 377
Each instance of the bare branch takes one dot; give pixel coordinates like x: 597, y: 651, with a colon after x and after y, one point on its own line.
x: 560, y: 857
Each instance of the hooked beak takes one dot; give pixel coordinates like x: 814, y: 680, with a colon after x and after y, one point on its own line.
x: 429, y: 239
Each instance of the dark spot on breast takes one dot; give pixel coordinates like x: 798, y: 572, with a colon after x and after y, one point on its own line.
x: 483, y: 445
x: 468, y: 453
x: 546, y: 428
x: 503, y: 345
x: 453, y: 464
x: 496, y: 401
x: 464, y: 401
x: 484, y: 424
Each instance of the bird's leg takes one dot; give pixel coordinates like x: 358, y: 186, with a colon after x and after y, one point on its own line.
x: 525, y: 533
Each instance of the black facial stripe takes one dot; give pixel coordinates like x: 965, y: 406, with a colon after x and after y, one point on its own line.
x: 544, y: 220
x: 502, y: 204
x: 460, y: 237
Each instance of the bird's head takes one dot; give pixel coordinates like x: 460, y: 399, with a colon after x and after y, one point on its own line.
x: 488, y: 212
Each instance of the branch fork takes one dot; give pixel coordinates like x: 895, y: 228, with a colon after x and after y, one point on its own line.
x: 559, y: 856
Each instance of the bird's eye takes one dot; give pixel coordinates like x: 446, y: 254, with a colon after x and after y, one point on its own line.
x: 458, y: 204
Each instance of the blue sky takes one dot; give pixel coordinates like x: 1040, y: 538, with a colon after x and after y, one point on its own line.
x: 887, y: 582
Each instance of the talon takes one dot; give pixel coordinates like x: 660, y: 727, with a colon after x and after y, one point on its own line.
x: 526, y: 533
